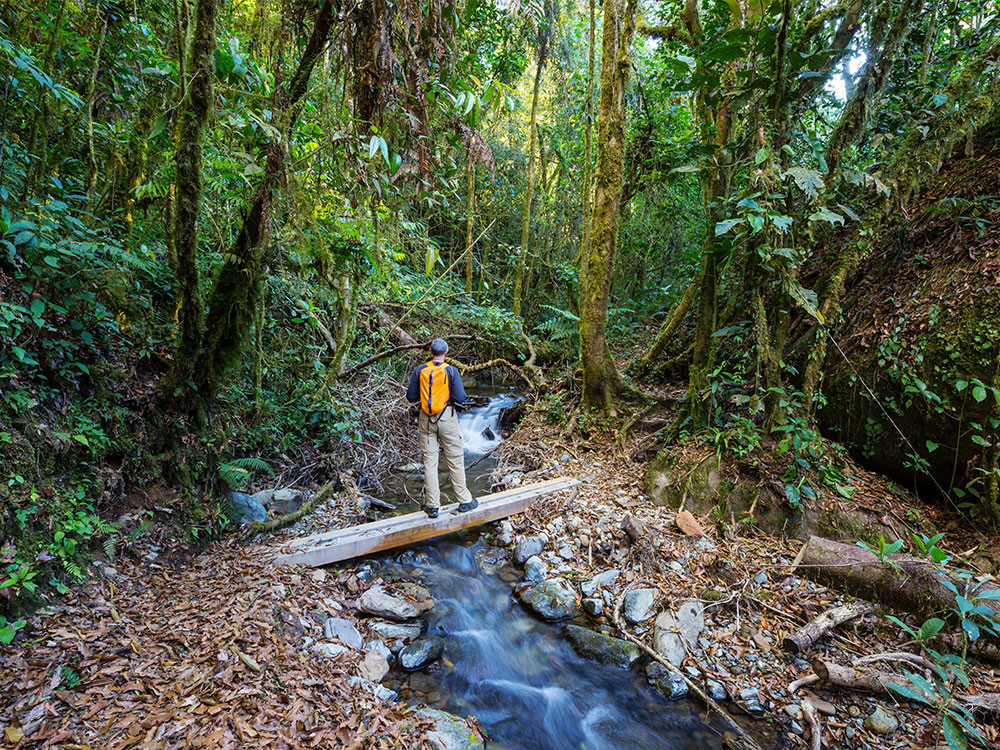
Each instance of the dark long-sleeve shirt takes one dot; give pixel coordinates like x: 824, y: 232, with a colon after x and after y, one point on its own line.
x: 455, y: 387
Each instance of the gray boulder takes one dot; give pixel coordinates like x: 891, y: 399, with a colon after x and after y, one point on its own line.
x: 666, y: 640
x: 691, y: 622
x: 638, y: 605
x: 286, y: 501
x: 376, y: 601
x: 450, y: 732
x: 600, y: 581
x: 421, y: 652
x: 244, y: 509
x: 550, y: 600
x: 535, y: 569
x: 669, y: 683
x: 526, y: 547
x: 602, y: 648
x: 344, y: 631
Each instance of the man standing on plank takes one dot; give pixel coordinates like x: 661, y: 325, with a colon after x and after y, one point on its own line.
x: 437, y: 387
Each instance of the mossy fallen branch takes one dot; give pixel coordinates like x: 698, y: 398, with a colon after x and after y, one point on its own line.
x: 307, y: 507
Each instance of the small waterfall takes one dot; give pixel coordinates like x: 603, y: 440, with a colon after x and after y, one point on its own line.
x: 481, y: 425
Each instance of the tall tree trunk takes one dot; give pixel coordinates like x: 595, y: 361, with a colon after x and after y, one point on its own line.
x: 193, y: 117
x: 601, y: 380
x: 530, y: 187
x: 667, y: 330
x: 470, y: 189
x: 234, y: 295
x: 586, y: 202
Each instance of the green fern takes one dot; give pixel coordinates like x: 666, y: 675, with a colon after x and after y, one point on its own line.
x: 236, y: 472
x: 72, y: 568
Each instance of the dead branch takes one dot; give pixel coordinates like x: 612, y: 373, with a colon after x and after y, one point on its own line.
x: 395, y: 350
x: 812, y: 631
x: 812, y: 719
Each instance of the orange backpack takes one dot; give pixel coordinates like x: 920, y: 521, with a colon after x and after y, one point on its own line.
x: 434, y: 388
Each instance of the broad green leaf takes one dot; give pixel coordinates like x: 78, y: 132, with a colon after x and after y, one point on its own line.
x: 806, y: 298
x: 756, y: 221
x: 762, y: 155
x: 979, y: 393
x: 907, y: 692
x: 961, y: 385
x: 159, y: 125
x: 782, y: 222
x: 37, y: 308
x: 931, y: 628
x: 725, y: 53
x: 373, y: 146
x: 954, y: 735
x: 809, y: 181
x: 825, y: 214
x: 723, y: 227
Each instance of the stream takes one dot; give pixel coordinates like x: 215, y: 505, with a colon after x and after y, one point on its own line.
x: 518, y: 676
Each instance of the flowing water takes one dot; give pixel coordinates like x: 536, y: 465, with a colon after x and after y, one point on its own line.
x: 520, y: 678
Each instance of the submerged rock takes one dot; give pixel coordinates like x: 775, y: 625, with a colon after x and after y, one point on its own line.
x: 376, y: 601
x: 638, y: 605
x: 551, y: 600
x: 421, y: 652
x: 450, y: 732
x: 671, y: 684
x: 603, y: 648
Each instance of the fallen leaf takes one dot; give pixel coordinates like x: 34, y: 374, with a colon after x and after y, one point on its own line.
x: 687, y: 524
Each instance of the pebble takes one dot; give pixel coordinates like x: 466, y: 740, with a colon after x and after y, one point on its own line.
x: 881, y: 721
x: 528, y: 547
x: 593, y: 606
x: 638, y: 605
x: 344, y: 631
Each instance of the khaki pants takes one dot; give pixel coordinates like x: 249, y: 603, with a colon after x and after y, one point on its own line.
x: 435, y: 436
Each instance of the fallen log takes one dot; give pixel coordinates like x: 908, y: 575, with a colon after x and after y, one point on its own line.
x: 901, y: 582
x: 815, y: 629
x: 352, y: 371
x: 878, y: 681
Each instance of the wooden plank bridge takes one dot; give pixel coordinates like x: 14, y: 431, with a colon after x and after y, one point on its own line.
x: 399, y: 531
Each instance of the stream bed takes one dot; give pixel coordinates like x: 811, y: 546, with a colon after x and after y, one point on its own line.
x: 518, y: 676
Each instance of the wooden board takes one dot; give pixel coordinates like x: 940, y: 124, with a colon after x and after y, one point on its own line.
x: 398, y: 531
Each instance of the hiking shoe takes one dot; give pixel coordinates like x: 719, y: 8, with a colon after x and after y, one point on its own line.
x: 431, y: 512
x: 466, y: 507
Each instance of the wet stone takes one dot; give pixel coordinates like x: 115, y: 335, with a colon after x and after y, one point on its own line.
x: 450, y: 732
x: 716, y: 691
x: 376, y: 601
x: 550, y: 600
x: 592, y: 606
x: 602, y: 648
x: 670, y: 684
x: 421, y: 652
x: 403, y: 630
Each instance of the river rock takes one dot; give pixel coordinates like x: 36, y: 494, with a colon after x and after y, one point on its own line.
x: 600, y: 581
x: 450, y: 732
x: 380, y: 648
x: 344, y: 631
x: 245, y: 509
x: 331, y: 650
x: 417, y: 595
x: 603, y: 648
x: 535, y: 569
x: 506, y: 536
x: 691, y: 622
x: 592, y: 606
x: 551, y: 600
x: 881, y: 721
x: 421, y: 652
x: 379, y: 691
x: 716, y: 691
x: 638, y: 605
x: 669, y: 683
x: 666, y: 640
x: 373, y: 667
x: 406, y: 631
x: 376, y: 601
x: 527, y: 547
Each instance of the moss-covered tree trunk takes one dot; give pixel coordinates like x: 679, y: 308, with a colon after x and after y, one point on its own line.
x: 601, y: 381
x: 666, y: 333
x: 586, y: 202
x: 194, y: 114
x: 529, y: 189
x: 234, y: 295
